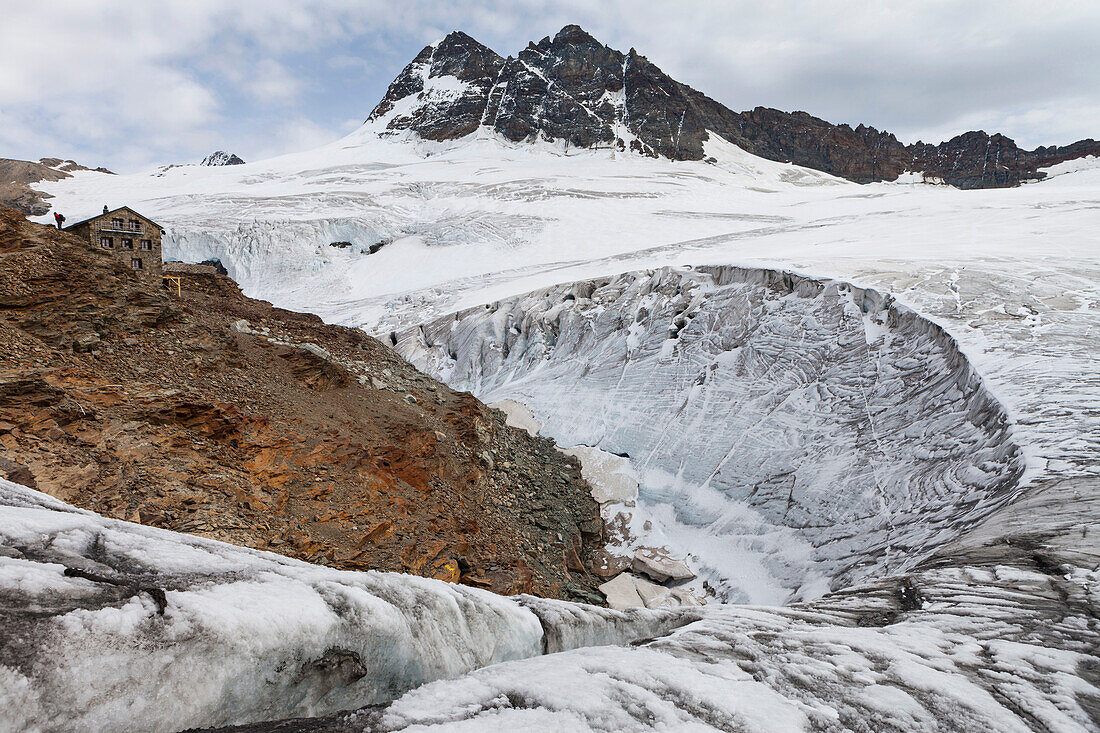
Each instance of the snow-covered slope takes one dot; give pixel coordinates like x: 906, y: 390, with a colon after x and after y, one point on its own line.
x: 452, y: 215
x: 929, y: 346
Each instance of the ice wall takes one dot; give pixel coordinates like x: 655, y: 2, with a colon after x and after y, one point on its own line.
x: 793, y: 435
x: 264, y: 255
x: 325, y: 254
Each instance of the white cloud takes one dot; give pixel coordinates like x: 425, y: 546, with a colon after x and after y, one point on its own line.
x: 354, y: 63
x: 293, y: 135
x: 273, y: 84
x: 1061, y: 122
x: 131, y: 82
x: 96, y: 79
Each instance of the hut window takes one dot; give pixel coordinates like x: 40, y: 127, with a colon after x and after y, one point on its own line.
x: 135, y: 225
x: 106, y: 243
x: 135, y: 262
x: 116, y: 223
x: 146, y: 244
x: 127, y: 244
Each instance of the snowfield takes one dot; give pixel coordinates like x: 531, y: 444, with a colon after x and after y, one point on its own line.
x: 878, y: 405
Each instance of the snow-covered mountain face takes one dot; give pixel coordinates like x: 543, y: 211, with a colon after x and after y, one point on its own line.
x: 570, y: 88
x: 220, y: 157
x: 442, y: 94
x: 574, y: 90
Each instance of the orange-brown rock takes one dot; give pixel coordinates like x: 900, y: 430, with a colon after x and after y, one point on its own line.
x: 223, y: 416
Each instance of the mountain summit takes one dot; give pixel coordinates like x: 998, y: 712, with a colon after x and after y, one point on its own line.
x: 220, y: 157
x: 570, y: 87
x: 573, y: 88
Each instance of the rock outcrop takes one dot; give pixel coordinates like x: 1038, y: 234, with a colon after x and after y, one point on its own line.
x: 16, y: 177
x: 573, y: 89
x: 442, y: 93
x: 861, y: 154
x: 220, y: 157
x: 222, y: 416
x: 980, y: 160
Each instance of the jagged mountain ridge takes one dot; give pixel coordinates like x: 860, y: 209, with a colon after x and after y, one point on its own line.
x: 576, y: 89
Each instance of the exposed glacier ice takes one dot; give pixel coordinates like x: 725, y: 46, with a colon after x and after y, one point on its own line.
x: 107, y: 625
x: 792, y: 435
x: 976, y: 655
x: 112, y: 626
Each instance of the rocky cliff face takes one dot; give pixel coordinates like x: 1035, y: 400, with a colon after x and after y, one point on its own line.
x: 862, y: 154
x: 980, y: 160
x: 569, y: 87
x: 443, y: 93
x: 572, y: 88
x: 222, y: 416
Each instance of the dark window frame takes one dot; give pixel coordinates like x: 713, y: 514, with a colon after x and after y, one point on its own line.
x: 136, y: 264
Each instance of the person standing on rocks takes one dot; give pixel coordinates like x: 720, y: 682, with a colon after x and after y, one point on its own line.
x: 59, y: 219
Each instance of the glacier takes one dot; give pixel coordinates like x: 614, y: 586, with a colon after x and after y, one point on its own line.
x: 871, y: 414
x: 792, y: 436
x: 114, y: 626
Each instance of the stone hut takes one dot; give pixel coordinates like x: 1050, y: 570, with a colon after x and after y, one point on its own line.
x: 133, y: 239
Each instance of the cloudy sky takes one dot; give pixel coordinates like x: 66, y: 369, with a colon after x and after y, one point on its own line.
x: 132, y: 83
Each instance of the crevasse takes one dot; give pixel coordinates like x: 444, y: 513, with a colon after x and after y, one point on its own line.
x: 793, y: 435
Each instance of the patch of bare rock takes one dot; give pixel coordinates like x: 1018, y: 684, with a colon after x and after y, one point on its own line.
x: 223, y: 416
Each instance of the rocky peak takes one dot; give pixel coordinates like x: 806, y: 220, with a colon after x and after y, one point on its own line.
x: 442, y: 93
x: 566, y: 89
x: 574, y: 35
x: 461, y: 56
x: 220, y: 157
x: 573, y: 53
x: 570, y: 88
x: 576, y: 91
